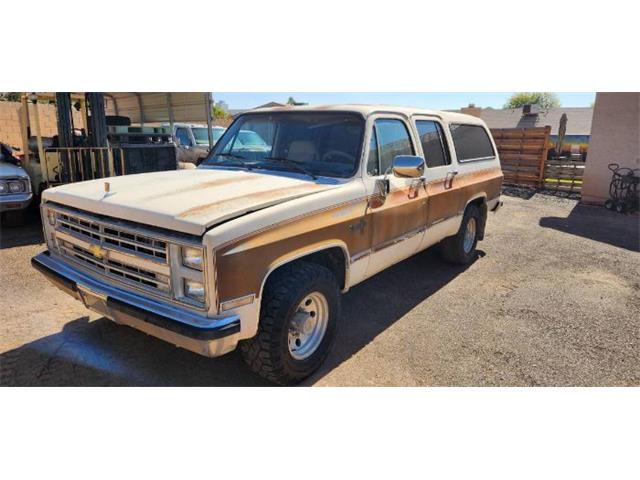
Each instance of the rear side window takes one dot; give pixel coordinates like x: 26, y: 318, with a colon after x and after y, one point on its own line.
x: 393, y: 140
x: 471, y: 142
x: 433, y: 143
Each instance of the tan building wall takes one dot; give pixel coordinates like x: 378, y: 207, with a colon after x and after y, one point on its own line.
x: 615, y: 138
x: 11, y: 126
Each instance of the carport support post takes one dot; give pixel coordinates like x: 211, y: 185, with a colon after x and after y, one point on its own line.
x: 209, y: 103
x: 170, y: 110
x: 25, y: 127
x: 97, y: 127
x: 65, y: 132
x: 41, y: 153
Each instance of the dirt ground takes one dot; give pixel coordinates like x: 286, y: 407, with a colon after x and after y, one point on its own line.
x: 552, y: 300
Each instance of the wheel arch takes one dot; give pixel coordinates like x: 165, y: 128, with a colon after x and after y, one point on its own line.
x: 480, y: 201
x: 333, y: 255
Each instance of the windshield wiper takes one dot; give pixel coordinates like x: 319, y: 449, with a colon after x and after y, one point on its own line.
x: 296, y: 164
x: 240, y: 159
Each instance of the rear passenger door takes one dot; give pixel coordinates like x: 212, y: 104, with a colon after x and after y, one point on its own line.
x: 397, y: 218
x: 440, y: 173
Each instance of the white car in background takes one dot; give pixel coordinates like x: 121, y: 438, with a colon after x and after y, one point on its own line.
x: 15, y: 187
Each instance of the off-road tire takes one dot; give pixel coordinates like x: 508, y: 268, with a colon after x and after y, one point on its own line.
x: 267, y: 354
x: 452, y: 248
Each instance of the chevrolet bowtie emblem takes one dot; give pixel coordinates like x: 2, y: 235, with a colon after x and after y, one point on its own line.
x: 98, y: 251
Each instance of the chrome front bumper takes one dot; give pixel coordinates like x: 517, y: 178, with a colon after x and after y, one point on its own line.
x: 208, y: 336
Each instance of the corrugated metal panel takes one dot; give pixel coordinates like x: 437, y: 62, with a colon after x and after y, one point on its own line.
x: 187, y: 106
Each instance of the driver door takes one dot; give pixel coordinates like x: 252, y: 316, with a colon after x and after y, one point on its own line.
x: 397, y: 206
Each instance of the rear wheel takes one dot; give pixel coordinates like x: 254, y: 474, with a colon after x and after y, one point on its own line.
x: 299, y: 313
x: 461, y: 248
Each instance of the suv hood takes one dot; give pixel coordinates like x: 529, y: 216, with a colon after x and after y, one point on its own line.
x: 188, y: 201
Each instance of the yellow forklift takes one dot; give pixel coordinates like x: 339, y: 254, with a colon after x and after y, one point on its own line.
x: 122, y: 133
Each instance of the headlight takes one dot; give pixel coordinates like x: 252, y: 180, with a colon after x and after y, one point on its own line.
x: 16, y: 187
x: 192, y: 258
x: 194, y: 290
x: 4, y: 188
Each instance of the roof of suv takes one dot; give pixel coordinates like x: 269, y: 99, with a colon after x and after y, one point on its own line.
x: 366, y: 110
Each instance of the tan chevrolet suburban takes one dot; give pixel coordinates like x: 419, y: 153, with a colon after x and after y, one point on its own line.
x: 253, y: 248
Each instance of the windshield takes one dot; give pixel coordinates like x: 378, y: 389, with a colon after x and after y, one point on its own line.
x: 202, y: 136
x: 315, y: 143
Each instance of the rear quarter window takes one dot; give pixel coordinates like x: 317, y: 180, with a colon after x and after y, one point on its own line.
x: 471, y: 142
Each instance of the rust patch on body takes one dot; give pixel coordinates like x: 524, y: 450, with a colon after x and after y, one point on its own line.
x: 221, y: 182
x: 244, y: 262
x: 242, y: 202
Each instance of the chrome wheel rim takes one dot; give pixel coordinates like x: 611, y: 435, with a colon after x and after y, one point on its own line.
x: 308, y: 326
x: 469, y: 235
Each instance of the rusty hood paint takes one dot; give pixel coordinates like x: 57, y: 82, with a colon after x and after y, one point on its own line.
x: 188, y: 201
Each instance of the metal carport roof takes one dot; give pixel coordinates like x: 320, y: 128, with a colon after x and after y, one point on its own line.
x: 157, y: 107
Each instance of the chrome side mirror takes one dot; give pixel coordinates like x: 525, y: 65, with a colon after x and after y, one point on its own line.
x: 408, y: 166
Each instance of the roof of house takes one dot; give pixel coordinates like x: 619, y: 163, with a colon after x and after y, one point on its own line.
x: 578, y: 119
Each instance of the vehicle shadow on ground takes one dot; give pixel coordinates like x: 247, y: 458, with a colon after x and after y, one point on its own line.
x: 599, y: 224
x: 20, y: 236
x: 101, y: 353
x: 373, y: 306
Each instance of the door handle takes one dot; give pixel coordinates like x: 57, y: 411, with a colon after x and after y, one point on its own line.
x: 448, y: 181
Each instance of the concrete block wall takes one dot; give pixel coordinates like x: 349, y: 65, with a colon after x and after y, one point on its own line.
x: 11, y: 126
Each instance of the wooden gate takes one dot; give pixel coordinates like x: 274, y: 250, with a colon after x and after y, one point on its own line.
x: 523, y: 153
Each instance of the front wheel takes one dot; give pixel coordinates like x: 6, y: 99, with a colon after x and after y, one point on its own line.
x: 298, y: 317
x: 461, y: 248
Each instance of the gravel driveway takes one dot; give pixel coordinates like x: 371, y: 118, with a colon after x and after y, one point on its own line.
x: 552, y: 300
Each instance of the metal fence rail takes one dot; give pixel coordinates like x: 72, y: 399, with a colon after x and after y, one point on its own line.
x: 84, y: 163
x: 564, y: 175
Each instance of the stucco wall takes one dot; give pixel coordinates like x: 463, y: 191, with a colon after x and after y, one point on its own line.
x: 10, y: 124
x: 615, y: 138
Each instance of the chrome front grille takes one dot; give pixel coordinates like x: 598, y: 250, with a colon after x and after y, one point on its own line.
x: 112, y: 236
x: 115, y: 252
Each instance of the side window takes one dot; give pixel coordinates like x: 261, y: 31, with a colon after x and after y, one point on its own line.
x: 433, y: 142
x: 183, y: 136
x: 471, y: 142
x: 373, y: 164
x: 393, y: 140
